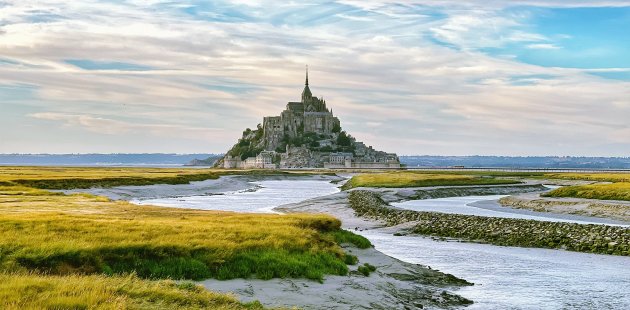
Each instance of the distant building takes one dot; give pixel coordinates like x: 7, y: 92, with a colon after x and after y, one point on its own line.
x: 339, y: 160
x: 305, y: 135
x: 264, y: 160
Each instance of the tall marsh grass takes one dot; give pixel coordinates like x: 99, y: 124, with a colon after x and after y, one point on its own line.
x: 31, y: 291
x: 88, y: 234
x: 82, y: 251
x: 86, y: 177
x: 614, y: 191
x: 421, y: 179
x: 619, y: 189
x: 599, y: 177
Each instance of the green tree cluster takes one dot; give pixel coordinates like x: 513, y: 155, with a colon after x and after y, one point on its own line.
x: 247, y: 146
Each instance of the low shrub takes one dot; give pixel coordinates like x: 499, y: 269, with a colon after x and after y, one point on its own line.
x: 344, y: 236
x: 366, y: 269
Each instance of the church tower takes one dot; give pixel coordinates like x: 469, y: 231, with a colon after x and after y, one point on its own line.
x: 306, y: 93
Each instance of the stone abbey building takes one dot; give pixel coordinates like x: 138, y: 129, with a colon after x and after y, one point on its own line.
x: 308, y: 115
x: 305, y: 135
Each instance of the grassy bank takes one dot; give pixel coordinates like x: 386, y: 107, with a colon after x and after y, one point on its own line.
x: 19, y: 292
x: 618, y: 189
x: 499, y: 231
x: 77, y: 251
x: 614, y: 191
x: 599, y: 177
x: 86, y: 177
x: 421, y: 179
x: 61, y: 234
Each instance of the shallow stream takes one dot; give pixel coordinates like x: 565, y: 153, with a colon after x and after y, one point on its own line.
x: 261, y: 197
x: 489, y: 206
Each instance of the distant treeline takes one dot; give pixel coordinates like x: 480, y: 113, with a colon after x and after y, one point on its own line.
x: 517, y: 162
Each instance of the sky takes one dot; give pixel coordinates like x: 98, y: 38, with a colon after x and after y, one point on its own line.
x: 448, y: 77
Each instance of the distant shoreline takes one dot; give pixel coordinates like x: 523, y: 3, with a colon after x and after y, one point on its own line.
x: 410, y: 161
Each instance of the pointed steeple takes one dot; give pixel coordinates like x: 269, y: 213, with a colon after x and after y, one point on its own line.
x: 306, y: 93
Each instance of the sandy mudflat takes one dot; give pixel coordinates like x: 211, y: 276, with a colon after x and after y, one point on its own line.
x: 218, y: 186
x: 207, y: 187
x: 610, y: 209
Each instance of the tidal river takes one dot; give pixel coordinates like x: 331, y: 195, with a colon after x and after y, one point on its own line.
x: 260, y: 197
x: 504, y: 277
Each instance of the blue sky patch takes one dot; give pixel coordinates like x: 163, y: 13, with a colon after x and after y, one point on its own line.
x: 584, y: 38
x: 87, y: 64
x: 16, y: 92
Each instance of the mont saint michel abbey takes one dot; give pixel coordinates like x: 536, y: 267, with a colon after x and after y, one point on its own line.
x: 305, y: 135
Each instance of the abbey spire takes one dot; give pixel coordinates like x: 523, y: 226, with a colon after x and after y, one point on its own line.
x: 306, y: 93
x: 305, y: 134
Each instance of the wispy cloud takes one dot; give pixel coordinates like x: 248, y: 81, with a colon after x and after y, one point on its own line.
x: 416, y: 72
x: 543, y: 46
x: 107, y: 126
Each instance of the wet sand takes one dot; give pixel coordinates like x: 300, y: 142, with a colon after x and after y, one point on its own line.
x: 610, y: 209
x: 394, y: 285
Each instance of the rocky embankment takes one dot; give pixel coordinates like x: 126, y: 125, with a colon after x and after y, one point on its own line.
x: 589, y: 238
x: 617, y: 210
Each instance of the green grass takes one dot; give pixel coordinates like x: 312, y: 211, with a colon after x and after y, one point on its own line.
x: 614, y: 191
x: 599, y: 177
x: 366, y: 269
x: 344, y: 236
x: 618, y: 190
x: 67, y: 234
x: 31, y: 291
x: 76, y: 251
x: 60, y: 234
x: 419, y: 179
x: 86, y: 177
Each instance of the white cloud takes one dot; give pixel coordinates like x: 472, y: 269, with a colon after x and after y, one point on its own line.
x: 386, y: 81
x: 543, y: 46
x: 116, y: 127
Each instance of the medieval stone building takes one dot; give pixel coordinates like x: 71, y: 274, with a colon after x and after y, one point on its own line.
x: 308, y: 115
x: 305, y: 135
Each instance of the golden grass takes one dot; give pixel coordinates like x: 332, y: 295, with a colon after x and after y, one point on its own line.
x: 600, y: 177
x: 75, y: 251
x: 10, y: 173
x: 85, y: 177
x: 90, y: 234
x: 618, y: 190
x: 420, y: 179
x: 614, y: 191
x: 30, y: 291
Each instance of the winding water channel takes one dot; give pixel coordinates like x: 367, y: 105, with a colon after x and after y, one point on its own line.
x: 261, y: 197
x: 490, y: 207
x: 504, y: 277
